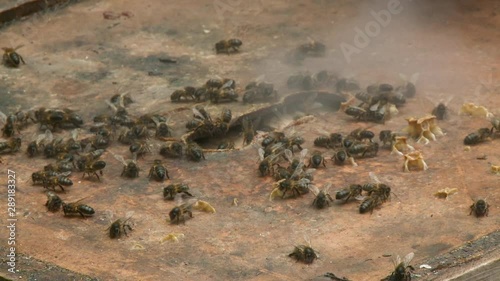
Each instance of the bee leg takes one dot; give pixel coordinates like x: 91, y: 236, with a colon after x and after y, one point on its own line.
x: 298, y: 145
x: 97, y: 176
x: 324, y: 165
x: 166, y: 174
x: 190, y: 214
x: 62, y: 188
x: 81, y: 214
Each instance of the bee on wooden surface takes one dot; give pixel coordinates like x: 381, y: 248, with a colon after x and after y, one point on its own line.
x: 162, y: 129
x: 122, y: 100
x: 402, y: 269
x: 11, y: 58
x: 91, y: 168
x: 226, y: 115
x: 53, y: 203
x: 228, y: 46
x: 267, y: 162
x: 39, y: 177
x: 340, y: 156
x: 10, y: 127
x: 194, y: 152
x: 440, y: 111
x: 36, y: 146
x: 293, y: 141
x: 59, y: 180
x: 304, y: 253
x: 387, y: 136
x: 139, y: 148
x: 294, y: 185
x: 182, y: 209
x: 369, y: 204
x: 480, y: 208
x: 83, y: 159
x: 360, y: 149
x: 171, y: 190
x: 312, y: 48
x: 183, y: 94
x: 119, y: 228
x: 322, y: 141
x: 323, y: 198
x: 127, y: 136
x: 222, y: 95
x: 158, y: 171
x: 408, y: 88
x: 130, y: 169
x: 378, y: 193
x: 248, y: 131
x: 354, y: 191
x: 477, y: 137
x: 171, y: 150
x: 361, y: 134
x: 11, y: 146
x: 316, y: 159
x: 75, y: 208
x: 259, y: 92
x: 59, y: 167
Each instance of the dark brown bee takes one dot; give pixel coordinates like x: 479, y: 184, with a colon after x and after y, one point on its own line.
x: 226, y: 145
x: 345, y: 194
x: 162, y: 129
x: 75, y: 208
x: 11, y: 146
x: 480, y: 208
x: 269, y: 140
x: 40, y: 177
x: 171, y: 150
x: 228, y: 46
x: 91, y: 168
x: 119, y: 227
x: 304, y: 254
x: 59, y: 180
x: 193, y: 124
x: 130, y: 169
x: 248, y: 131
x: 11, y: 125
x: 59, y: 167
x: 226, y: 115
x: 322, y: 141
x: 158, y: 171
x: 139, y: 148
x: 86, y: 158
x: 407, y: 90
x: 222, y: 95
x: 477, y: 137
x: 37, y: 145
x: 316, y: 159
x: 360, y: 149
x: 387, y: 136
x: 259, y: 92
x: 54, y: 203
x: 170, y: 191
x: 362, y: 134
x: 402, y: 269
x: 312, y: 48
x: 183, y: 94
x: 280, y: 173
x: 122, y: 100
x: 340, y: 156
x: 336, y: 139
x: 369, y: 204
x: 11, y: 58
x: 440, y: 111
x: 356, y: 112
x: 179, y: 213
x: 194, y: 152
x: 214, y: 83
x: 290, y: 143
x: 267, y: 162
x: 323, y: 198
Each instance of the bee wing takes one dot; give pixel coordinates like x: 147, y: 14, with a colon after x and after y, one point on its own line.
x: 111, y: 105
x: 303, y: 154
x: 261, y: 153
x: 260, y: 78
x: 289, y: 155
x: 323, y: 132
x: 108, y: 214
x: 307, y: 239
x: 396, y: 261
x: 374, y: 107
x: 373, y: 177
x: 198, y: 114
x: 314, y: 189
x: 327, y: 187
x: 3, y: 117
x: 74, y: 134
x: 65, y: 174
x: 298, y: 170
x: 155, y: 119
x: 47, y: 136
x: 129, y: 215
x: 181, y: 199
x: 120, y: 158
x: 407, y: 259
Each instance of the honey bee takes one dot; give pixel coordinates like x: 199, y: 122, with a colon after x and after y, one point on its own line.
x: 183, y: 94
x: 54, y: 203
x: 408, y: 88
x: 362, y: 134
x: 11, y: 146
x: 296, y: 185
x: 11, y: 58
x: 323, y: 198
x: 312, y: 48
x: 127, y: 136
x: 40, y: 177
x: 259, y: 92
x: 323, y: 141
x: 228, y: 46
x: 248, y: 131
x: 291, y: 142
x: 119, y: 227
x: 495, y: 122
x: 354, y: 191
x: 36, y: 146
x: 91, y: 168
x: 122, y: 100
x: 361, y: 149
x: 267, y: 162
x: 226, y: 115
x: 130, y: 169
x: 183, y: 208
x: 480, y: 208
x: 171, y: 150
x: 162, y: 129
x: 316, y: 159
x: 387, y: 136
x: 58, y: 180
x: 158, y: 171
x: 194, y: 152
x: 402, y: 269
x: 59, y: 167
x: 303, y: 253
x: 222, y: 95
x: 171, y: 190
x: 139, y: 148
x: 88, y: 157
x: 378, y: 193
x: 477, y: 137
x: 10, y: 127
x: 440, y: 111
x: 76, y: 208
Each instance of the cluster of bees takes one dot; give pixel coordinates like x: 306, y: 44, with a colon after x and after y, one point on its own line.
x: 218, y: 90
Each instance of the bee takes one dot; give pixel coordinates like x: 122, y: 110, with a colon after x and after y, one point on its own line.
x: 387, y: 136
x: 75, y: 208
x: 362, y: 134
x: 194, y: 152
x: 480, y: 208
x: 11, y: 146
x: 267, y: 162
x: 402, y: 269
x: 378, y: 193
x: 248, y: 131
x: 183, y: 208
x: 11, y: 58
x: 130, y: 169
x: 226, y: 115
x: 356, y: 112
x: 369, y: 204
x: 58, y: 180
x: 440, y: 111
x: 294, y: 141
x: 36, y: 146
x: 354, y: 191
x: 183, y: 94
x: 323, y: 198
x: 408, y: 88
x: 228, y: 46
x: 303, y: 253
x: 226, y: 145
x: 54, y: 203
x: 119, y: 228
x: 91, y: 168
x: 59, y: 167
x: 361, y: 149
x: 127, y: 136
x: 312, y: 48
x: 10, y: 127
x: 316, y: 159
x: 40, y: 177
x: 171, y: 150
x: 295, y: 184
x: 162, y: 129
x: 122, y: 100
x: 495, y: 122
x: 88, y: 157
x: 262, y: 91
x: 323, y: 141
x: 139, y: 148
x: 347, y: 85
x: 171, y: 190
x: 193, y: 124
x: 158, y: 171
x: 477, y: 137
x: 223, y: 95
